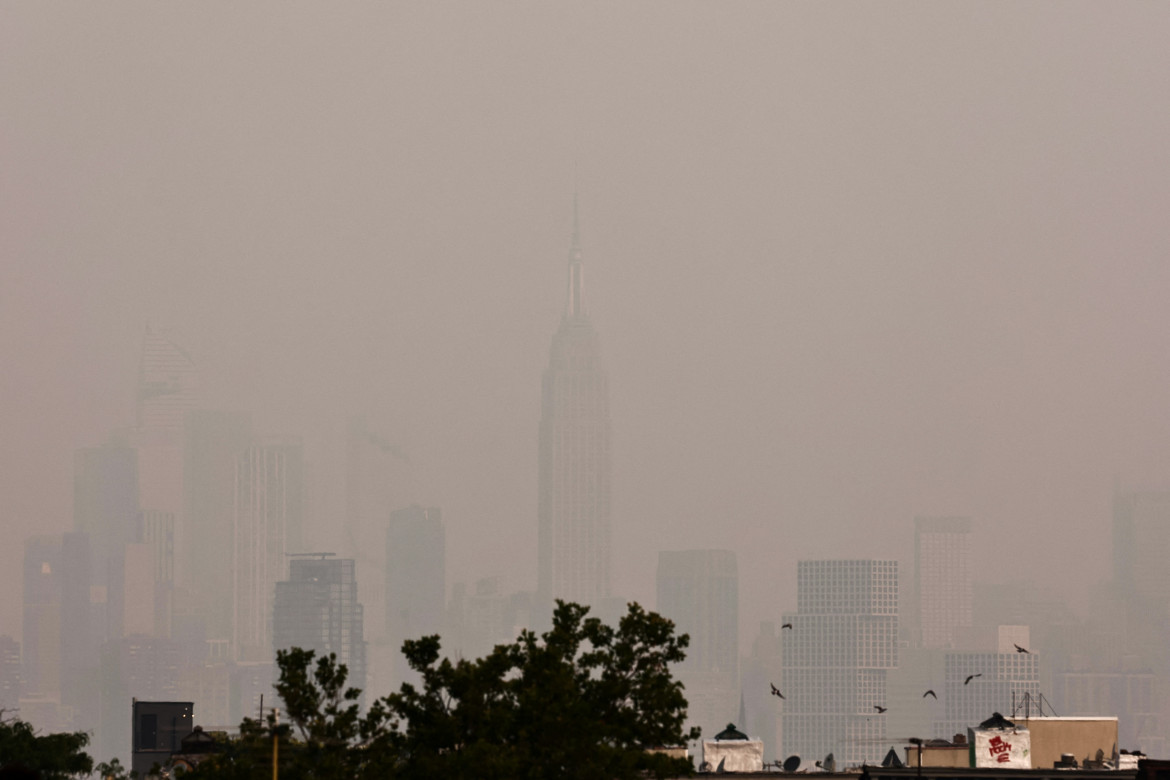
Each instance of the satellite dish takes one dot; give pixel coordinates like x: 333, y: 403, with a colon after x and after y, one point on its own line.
x: 829, y: 764
x: 791, y: 764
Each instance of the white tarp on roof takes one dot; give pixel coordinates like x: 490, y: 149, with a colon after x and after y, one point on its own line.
x: 734, y: 755
x: 1003, y: 748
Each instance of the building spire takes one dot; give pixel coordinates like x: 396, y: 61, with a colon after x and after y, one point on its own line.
x: 575, y: 305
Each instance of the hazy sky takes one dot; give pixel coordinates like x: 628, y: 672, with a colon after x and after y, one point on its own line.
x: 850, y: 263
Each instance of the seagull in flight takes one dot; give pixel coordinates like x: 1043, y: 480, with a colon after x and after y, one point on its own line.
x: 786, y: 625
x: 880, y: 708
x: 930, y: 693
x: 971, y: 677
x: 776, y: 691
x: 1021, y: 649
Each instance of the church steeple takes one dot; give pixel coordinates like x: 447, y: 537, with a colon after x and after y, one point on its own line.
x: 575, y: 305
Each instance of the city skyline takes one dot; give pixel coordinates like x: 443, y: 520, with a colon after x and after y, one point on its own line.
x: 846, y: 267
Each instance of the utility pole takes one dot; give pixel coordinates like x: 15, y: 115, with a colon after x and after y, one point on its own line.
x: 275, y: 738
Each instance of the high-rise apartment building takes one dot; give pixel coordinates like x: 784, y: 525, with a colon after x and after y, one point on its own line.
x: 416, y: 577
x: 213, y: 441
x: 997, y: 681
x: 836, y: 656
x: 573, y: 511
x: 699, y: 591
x: 317, y: 609
x: 269, y: 495
x: 942, y: 579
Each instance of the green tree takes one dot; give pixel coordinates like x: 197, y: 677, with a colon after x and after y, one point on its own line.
x: 584, y: 700
x: 52, y: 756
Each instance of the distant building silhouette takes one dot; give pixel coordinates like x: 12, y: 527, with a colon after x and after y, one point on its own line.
x: 212, y: 442
x: 480, y: 619
x: 269, y: 493
x: 10, y: 677
x: 167, y: 382
x: 573, y: 511
x: 43, y: 576
x: 1141, y: 547
x: 835, y: 659
x: 317, y: 609
x: 942, y: 579
x: 157, y: 534
x: 699, y: 591
x: 106, y: 507
x: 416, y: 578
x: 760, y: 670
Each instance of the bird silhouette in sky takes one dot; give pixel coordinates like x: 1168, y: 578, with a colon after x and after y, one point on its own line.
x: 1021, y: 649
x: 786, y: 625
x: 930, y: 693
x: 971, y: 677
x: 776, y: 691
x: 880, y: 708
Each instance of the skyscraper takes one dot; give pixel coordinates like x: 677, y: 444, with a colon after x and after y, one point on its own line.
x: 268, y: 510
x: 213, y: 441
x: 1003, y: 678
x: 10, y: 676
x: 573, y: 510
x: 942, y: 578
x: 42, y: 616
x: 416, y: 577
x: 167, y: 382
x: 699, y: 591
x: 317, y: 609
x: 835, y: 658
x: 105, y: 506
x: 1141, y: 546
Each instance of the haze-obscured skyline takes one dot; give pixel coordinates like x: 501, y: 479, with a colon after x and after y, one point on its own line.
x: 849, y: 264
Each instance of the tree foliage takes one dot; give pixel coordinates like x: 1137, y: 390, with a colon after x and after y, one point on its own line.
x: 582, y: 700
x: 51, y: 756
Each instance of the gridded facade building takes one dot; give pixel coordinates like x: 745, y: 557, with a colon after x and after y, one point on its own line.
x: 317, y: 609
x: 942, y: 578
x: 1004, y: 679
x: 835, y: 659
x: 573, y: 510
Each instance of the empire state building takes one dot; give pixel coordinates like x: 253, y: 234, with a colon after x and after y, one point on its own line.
x: 573, y: 518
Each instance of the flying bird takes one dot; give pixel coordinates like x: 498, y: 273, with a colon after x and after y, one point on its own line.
x: 880, y: 708
x: 971, y: 677
x: 930, y: 693
x: 786, y: 625
x: 776, y: 691
x: 1021, y: 649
